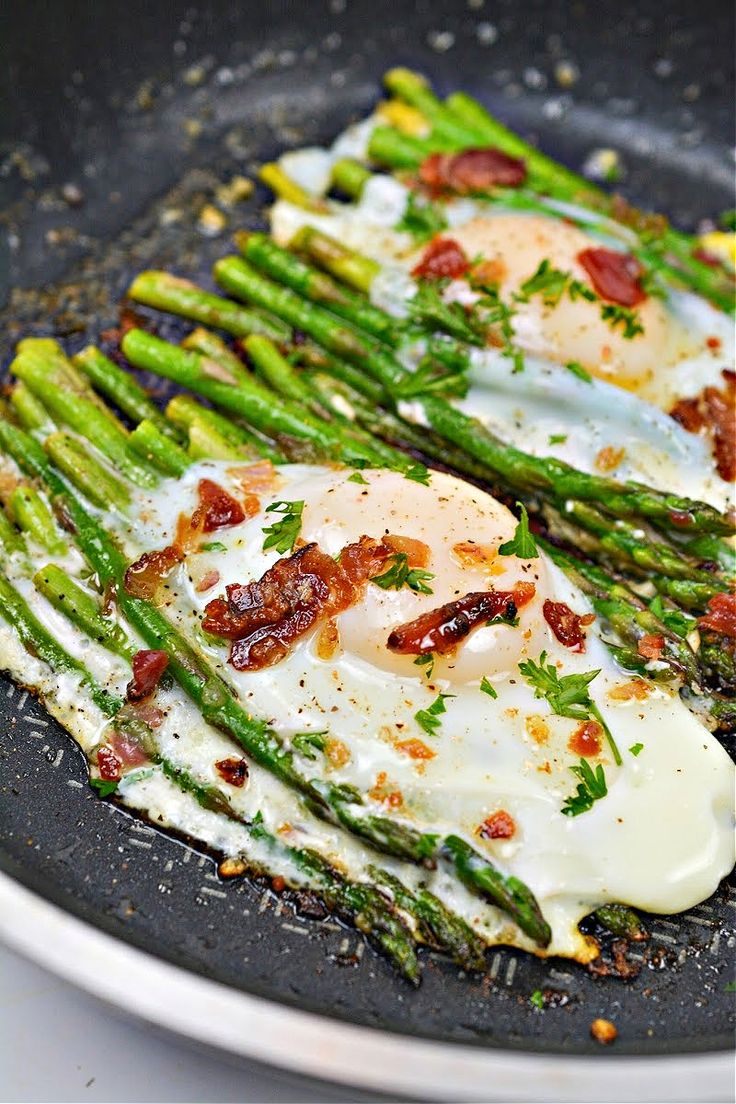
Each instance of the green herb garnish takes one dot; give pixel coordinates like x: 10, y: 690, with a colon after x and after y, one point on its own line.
x: 282, y: 535
x: 104, y: 786
x: 488, y: 688
x: 537, y: 999
x: 308, y: 743
x: 522, y: 544
x: 427, y: 719
x: 591, y: 788
x: 418, y: 473
x: 356, y: 477
x: 421, y: 219
x: 399, y: 575
x: 426, y: 660
x: 636, y: 748
x: 578, y: 370
x: 616, y: 315
x: 213, y: 546
x: 556, y: 438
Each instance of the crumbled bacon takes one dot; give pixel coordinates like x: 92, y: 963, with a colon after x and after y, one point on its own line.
x: 442, y: 629
x: 108, y: 764
x: 586, y: 739
x: 415, y: 749
x: 615, y: 276
x: 416, y: 551
x: 234, y: 771
x: 363, y: 559
x: 499, y: 825
x: 442, y: 259
x: 143, y: 578
x: 566, y: 624
x: 650, y: 646
x: 714, y: 410
x: 254, y: 478
x: 148, y: 667
x: 220, y: 508
x: 721, y: 615
x: 328, y: 640
x: 472, y: 170
x: 128, y: 749
x: 208, y: 580
x: 636, y: 689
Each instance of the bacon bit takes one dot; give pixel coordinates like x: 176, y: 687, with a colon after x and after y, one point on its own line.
x: 232, y: 868
x: 148, y: 667
x: 255, y: 478
x: 586, y: 740
x: 615, y: 276
x: 473, y: 170
x: 499, y: 825
x: 442, y: 629
x: 220, y: 508
x: 609, y: 458
x: 720, y: 417
x: 233, y: 771
x: 687, y: 412
x: 492, y: 271
x: 636, y: 689
x: 328, y: 640
x: 128, y: 749
x: 189, y: 532
x: 108, y: 764
x: 109, y: 598
x: 721, y: 615
x: 278, y: 884
x: 603, y: 1031
x: 567, y: 625
x: 415, y: 749
x: 713, y: 342
x: 208, y: 580
x: 443, y: 258
x: 337, y: 752
x: 650, y: 645
x: 144, y: 577
x: 681, y: 518
x: 149, y: 713
x: 537, y: 728
x: 470, y: 554
x: 416, y: 551
x: 392, y: 798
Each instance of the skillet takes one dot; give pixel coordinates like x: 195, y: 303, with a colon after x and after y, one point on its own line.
x: 143, y: 111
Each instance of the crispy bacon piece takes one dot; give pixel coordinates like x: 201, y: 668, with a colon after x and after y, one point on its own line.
x: 415, y: 749
x: 265, y: 617
x: 416, y: 551
x: 442, y: 259
x: 363, y: 559
x: 220, y: 508
x: 566, y: 625
x: 234, y: 771
x: 442, y: 629
x: 721, y: 615
x: 615, y: 276
x: 148, y: 667
x: 128, y: 749
x: 586, y: 739
x: 714, y: 410
x: 108, y: 764
x: 143, y: 578
x: 499, y: 825
x: 650, y: 645
x: 208, y: 580
x: 472, y: 170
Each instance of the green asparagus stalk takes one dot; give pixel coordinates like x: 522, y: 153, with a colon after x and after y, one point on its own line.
x: 415, y: 90
x: 31, y: 413
x: 274, y: 176
x: 210, y: 345
x: 79, y: 607
x: 226, y: 438
x: 350, y: 177
x: 622, y: 921
x: 33, y: 516
x: 158, y: 450
x: 349, y: 266
x: 119, y: 386
x: 182, y: 297
x: 49, y: 356
x: 97, y: 483
x: 11, y: 540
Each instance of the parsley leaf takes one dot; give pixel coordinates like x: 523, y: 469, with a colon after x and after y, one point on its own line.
x: 426, y: 660
x: 636, y: 748
x: 308, y: 743
x: 567, y: 695
x: 428, y: 308
x: 522, y: 544
x: 591, y: 788
x: 356, y: 477
x: 104, y: 786
x: 213, y: 546
x: 616, y: 315
x: 421, y: 219
x: 488, y: 688
x: 674, y: 619
x: 427, y: 719
x: 578, y: 370
x: 418, y: 473
x: 548, y: 282
x: 556, y: 438
x: 490, y: 311
x: 399, y: 574
x: 426, y: 845
x: 537, y: 999
x: 282, y: 534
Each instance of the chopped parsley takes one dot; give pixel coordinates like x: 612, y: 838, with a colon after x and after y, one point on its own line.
x: 636, y: 748
x: 577, y: 370
x: 537, y: 999
x: 522, y: 544
x: 309, y: 743
x: 591, y: 788
x: 282, y: 535
x: 616, y: 315
x: 421, y: 219
x: 427, y: 661
x: 428, y: 307
x: 428, y: 719
x: 104, y: 786
x: 567, y: 695
x: 213, y: 546
x: 442, y: 370
x: 556, y: 438
x: 426, y: 845
x: 356, y: 477
x: 399, y: 575
x: 418, y: 473
x: 491, y: 311
x: 488, y: 688
x: 673, y: 619
x: 552, y: 283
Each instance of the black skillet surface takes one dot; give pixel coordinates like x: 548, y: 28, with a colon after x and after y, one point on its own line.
x: 145, y: 109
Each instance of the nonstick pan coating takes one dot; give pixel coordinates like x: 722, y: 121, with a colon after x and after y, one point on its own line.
x: 144, y: 109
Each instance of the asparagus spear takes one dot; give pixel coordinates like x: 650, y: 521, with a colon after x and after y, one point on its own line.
x: 182, y: 297
x: 342, y: 804
x: 159, y: 450
x: 210, y: 345
x: 79, y: 607
x: 100, y: 485
x: 274, y: 176
x: 11, y: 540
x: 353, y: 268
x: 119, y: 386
x: 350, y: 177
x: 32, y: 516
x: 230, y: 440
x: 31, y: 413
